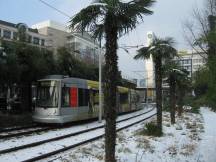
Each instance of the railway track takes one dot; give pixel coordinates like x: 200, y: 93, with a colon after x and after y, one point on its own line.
x: 77, y: 136
x: 10, y: 129
x: 34, y: 129
x: 23, y: 131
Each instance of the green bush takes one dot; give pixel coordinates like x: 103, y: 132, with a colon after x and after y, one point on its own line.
x: 151, y: 129
x: 195, y: 109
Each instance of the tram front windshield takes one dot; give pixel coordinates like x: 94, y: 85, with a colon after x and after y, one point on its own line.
x: 47, y: 94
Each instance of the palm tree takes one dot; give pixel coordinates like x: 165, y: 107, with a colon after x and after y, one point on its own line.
x: 183, y: 86
x: 159, y: 49
x: 112, y: 19
x: 173, y: 77
x: 177, y: 78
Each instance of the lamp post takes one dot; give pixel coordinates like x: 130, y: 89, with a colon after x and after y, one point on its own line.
x: 100, y: 85
x: 147, y: 89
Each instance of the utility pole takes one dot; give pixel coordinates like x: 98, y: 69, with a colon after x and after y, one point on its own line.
x: 100, y: 85
x: 147, y: 88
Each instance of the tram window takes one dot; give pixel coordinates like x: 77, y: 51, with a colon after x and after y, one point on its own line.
x: 83, y: 97
x: 65, y: 97
x: 123, y: 98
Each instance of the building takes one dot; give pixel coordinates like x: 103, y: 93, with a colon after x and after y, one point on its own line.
x: 191, y: 60
x: 81, y: 45
x: 56, y: 34
x: 10, y: 32
x: 149, y: 80
x: 149, y: 64
x: 84, y: 47
x: 147, y: 83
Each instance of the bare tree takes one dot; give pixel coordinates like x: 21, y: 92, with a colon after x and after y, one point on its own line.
x: 196, y: 30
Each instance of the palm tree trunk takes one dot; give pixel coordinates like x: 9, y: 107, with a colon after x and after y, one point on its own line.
x: 172, y: 99
x: 110, y: 107
x: 180, y: 103
x: 158, y: 75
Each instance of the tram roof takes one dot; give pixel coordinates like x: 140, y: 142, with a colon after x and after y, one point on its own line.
x: 84, y: 82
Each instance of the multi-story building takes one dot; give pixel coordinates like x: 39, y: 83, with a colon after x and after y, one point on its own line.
x: 147, y: 84
x: 56, y: 34
x: 10, y: 32
x: 191, y: 60
x: 84, y: 47
x: 81, y: 45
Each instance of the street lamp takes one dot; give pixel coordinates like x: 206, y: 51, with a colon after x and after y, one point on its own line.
x: 100, y: 85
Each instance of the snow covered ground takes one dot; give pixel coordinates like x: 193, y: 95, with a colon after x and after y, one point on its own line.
x: 207, y: 148
x: 192, y: 139
x: 28, y: 153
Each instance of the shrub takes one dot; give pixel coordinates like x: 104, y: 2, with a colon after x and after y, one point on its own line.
x: 150, y: 129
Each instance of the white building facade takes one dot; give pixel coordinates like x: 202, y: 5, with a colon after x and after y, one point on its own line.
x: 81, y: 45
x: 191, y: 60
x: 84, y: 47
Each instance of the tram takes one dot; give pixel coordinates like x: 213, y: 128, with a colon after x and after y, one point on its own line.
x: 62, y: 99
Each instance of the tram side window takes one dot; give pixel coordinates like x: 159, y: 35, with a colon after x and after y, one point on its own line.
x: 123, y: 98
x: 83, y: 97
x: 65, y: 97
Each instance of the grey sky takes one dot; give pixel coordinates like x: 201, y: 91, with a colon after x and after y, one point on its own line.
x: 166, y: 21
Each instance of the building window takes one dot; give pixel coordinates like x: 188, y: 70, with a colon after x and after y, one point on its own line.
x: 42, y: 42
x: 15, y: 35
x: 7, y: 34
x: 36, y: 40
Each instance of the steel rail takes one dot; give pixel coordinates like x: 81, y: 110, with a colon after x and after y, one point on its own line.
x: 43, y: 156
x: 65, y: 136
x: 25, y: 132
x: 42, y: 129
x: 5, y: 130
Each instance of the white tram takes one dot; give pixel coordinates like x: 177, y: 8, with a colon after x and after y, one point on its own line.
x: 62, y: 100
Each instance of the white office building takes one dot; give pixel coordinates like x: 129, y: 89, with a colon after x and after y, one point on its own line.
x: 191, y: 60
x: 81, y: 45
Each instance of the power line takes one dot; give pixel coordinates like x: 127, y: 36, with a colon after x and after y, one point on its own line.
x: 132, y: 46
x: 54, y: 8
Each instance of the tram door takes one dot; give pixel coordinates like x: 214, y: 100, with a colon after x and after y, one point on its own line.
x: 74, y: 103
x: 69, y: 102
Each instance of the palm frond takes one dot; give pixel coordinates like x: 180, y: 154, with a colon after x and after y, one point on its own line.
x: 87, y: 18
x: 99, y: 32
x: 129, y: 14
x: 142, y: 53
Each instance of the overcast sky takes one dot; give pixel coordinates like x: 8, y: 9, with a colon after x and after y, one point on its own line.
x: 166, y: 21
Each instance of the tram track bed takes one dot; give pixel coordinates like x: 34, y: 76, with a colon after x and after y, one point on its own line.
x: 23, y: 131
x: 16, y: 128
x: 33, y: 129
x: 73, y: 136
x: 27, y: 141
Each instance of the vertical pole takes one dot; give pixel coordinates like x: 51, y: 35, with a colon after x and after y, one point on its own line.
x: 147, y: 89
x: 100, y: 86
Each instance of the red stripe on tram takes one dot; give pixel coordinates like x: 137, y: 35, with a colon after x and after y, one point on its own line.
x: 73, y: 97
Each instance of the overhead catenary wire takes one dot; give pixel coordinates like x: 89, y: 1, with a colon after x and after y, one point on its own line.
x: 126, y: 47
x: 54, y: 8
